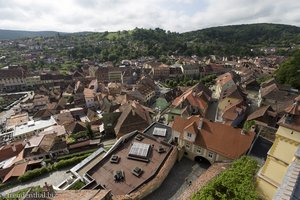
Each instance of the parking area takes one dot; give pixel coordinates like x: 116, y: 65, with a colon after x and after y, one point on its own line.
x: 178, y: 180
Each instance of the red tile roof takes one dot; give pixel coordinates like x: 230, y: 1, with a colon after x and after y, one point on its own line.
x: 16, y: 171
x: 217, y: 137
x: 11, y: 150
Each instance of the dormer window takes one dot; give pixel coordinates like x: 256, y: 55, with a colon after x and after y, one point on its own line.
x: 189, y: 134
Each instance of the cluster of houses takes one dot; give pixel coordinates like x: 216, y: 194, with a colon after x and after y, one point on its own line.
x: 154, y: 126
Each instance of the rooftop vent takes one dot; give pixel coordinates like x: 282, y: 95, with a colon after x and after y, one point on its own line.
x: 119, y: 175
x: 139, y: 137
x: 114, y: 159
x: 137, y: 171
x: 161, y: 149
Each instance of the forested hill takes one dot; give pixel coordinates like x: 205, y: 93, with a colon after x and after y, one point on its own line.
x: 242, y: 37
x: 16, y: 34
x: 239, y: 40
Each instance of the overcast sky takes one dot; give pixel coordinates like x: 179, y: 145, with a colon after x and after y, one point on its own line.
x: 113, y: 15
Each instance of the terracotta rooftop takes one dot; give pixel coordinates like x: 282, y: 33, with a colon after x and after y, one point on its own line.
x: 11, y: 150
x: 295, y: 108
x: 224, y: 78
x: 16, y: 171
x: 197, y: 96
x: 217, y: 137
x: 150, y: 161
x: 75, y: 127
x: 64, y: 118
x: 264, y: 116
x: 126, y: 123
x: 89, y: 93
x: 291, y: 119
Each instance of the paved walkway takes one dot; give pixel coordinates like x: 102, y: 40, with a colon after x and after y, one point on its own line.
x: 53, y: 178
x: 175, y: 183
x: 213, y: 171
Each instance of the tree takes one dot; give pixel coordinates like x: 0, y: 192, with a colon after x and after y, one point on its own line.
x: 89, y: 130
x: 289, y: 71
x: 235, y: 183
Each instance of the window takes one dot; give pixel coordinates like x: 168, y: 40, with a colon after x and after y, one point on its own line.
x: 199, y: 150
x: 189, y: 134
x: 187, y: 145
x: 210, y: 155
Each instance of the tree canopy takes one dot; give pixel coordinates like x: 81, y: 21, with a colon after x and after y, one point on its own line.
x: 235, y: 183
x: 289, y: 71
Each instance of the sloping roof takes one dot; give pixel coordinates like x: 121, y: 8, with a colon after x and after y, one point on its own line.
x: 69, y: 89
x: 88, y: 93
x: 291, y: 119
x: 16, y: 171
x: 44, y: 113
x: 224, y: 78
x: 294, y: 109
x: 217, y: 137
x: 47, y: 142
x: 10, y: 150
x: 131, y: 109
x: 259, y: 113
x: 197, y: 96
x: 92, y: 115
x: 64, y: 118
x: 75, y: 127
x: 234, y: 92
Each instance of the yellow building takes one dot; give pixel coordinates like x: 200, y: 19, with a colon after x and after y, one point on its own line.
x: 282, y: 152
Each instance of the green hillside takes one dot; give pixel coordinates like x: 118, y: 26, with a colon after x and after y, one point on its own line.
x: 239, y: 40
x: 16, y: 34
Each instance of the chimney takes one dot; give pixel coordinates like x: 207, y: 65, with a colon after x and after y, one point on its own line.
x: 200, y: 124
x: 14, y: 147
x: 243, y: 132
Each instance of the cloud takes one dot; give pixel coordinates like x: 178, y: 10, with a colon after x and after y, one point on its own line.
x: 113, y: 15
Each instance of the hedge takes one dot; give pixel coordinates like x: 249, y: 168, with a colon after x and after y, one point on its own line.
x: 69, y: 162
x: 235, y: 183
x: 34, y: 173
x: 64, y: 157
x: 58, y: 165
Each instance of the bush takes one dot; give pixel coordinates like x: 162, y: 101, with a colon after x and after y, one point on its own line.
x: 61, y: 164
x: 80, y: 134
x: 77, y: 185
x: 248, y: 124
x: 69, y: 162
x: 235, y: 183
x: 34, y: 173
